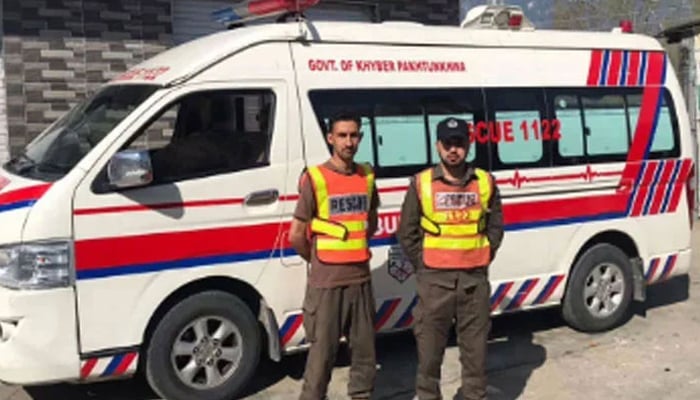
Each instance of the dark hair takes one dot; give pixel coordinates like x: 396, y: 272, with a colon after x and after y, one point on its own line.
x: 343, y: 116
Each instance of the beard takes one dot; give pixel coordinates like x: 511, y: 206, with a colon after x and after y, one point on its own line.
x: 346, y: 153
x: 452, y: 159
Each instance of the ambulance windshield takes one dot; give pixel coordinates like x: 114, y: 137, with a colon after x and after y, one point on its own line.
x: 53, y: 153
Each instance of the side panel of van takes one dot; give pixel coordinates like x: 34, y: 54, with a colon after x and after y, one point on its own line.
x: 220, y: 147
x: 402, y: 93
x: 554, y: 132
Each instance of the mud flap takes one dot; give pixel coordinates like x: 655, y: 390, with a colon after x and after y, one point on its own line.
x: 267, y: 319
x: 639, y: 292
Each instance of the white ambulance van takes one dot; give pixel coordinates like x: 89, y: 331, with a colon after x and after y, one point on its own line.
x: 147, y: 229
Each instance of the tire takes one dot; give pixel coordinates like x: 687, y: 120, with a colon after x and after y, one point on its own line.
x: 235, y: 357
x: 588, y: 307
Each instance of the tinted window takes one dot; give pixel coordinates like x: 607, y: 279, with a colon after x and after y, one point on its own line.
x: 209, y: 133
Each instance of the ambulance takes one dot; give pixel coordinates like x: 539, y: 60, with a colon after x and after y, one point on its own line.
x: 147, y: 230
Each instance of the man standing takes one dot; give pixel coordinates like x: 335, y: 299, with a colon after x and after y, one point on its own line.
x: 335, y: 217
x: 451, y: 226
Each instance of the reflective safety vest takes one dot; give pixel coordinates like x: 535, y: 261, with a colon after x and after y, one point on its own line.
x: 453, y: 221
x: 340, y: 224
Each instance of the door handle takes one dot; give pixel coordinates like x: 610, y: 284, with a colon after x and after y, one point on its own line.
x: 262, y: 197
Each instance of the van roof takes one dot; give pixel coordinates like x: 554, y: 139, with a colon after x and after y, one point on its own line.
x: 186, y: 60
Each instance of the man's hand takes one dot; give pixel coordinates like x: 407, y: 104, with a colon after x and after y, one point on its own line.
x: 297, y: 236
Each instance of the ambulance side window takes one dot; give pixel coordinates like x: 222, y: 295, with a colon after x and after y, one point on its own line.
x: 400, y: 135
x: 517, y: 129
x: 399, y: 124
x: 208, y: 133
x: 606, y: 129
x: 665, y: 141
x: 597, y: 125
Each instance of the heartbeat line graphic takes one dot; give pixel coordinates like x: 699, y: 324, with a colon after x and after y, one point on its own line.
x: 589, y: 175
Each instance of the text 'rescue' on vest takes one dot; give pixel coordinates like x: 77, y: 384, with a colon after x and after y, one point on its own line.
x: 453, y: 220
x: 342, y: 203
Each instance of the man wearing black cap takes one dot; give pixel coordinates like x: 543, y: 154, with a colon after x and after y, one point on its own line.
x: 451, y: 227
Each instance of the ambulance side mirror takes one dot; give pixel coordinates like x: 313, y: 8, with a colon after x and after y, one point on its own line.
x: 129, y: 169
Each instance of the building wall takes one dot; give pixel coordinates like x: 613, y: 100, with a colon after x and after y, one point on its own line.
x: 429, y: 12
x: 56, y: 52
x: 4, y: 136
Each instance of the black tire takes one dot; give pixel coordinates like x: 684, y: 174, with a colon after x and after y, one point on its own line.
x: 160, y: 370
x: 575, y: 308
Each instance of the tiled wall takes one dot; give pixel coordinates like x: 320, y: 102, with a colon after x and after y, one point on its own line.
x: 58, y: 51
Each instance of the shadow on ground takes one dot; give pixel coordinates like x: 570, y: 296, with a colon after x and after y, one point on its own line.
x: 511, y: 349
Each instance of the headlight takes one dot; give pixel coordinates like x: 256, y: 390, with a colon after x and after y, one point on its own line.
x: 36, y: 265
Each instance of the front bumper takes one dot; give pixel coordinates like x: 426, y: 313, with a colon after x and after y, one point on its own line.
x: 38, y: 343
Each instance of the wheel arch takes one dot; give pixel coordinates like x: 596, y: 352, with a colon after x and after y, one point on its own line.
x: 267, y: 324
x: 624, y: 236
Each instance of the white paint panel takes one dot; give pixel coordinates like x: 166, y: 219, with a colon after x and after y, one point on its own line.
x: 132, y: 294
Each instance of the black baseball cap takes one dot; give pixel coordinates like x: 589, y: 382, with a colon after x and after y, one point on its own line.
x: 452, y: 128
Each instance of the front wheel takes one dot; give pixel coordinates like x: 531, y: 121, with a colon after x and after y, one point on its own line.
x: 599, y: 293
x: 206, y: 347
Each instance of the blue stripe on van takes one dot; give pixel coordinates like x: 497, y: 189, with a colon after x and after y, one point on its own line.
x: 17, y: 205
x: 653, y: 188
x: 623, y: 71
x: 642, y: 69
x: 670, y: 186
x: 604, y: 71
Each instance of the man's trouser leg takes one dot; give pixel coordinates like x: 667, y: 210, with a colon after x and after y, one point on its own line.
x: 359, y: 311
x: 432, y: 322
x: 322, y: 323
x: 473, y: 325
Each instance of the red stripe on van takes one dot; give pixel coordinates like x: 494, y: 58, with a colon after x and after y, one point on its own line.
x: 594, y: 68
x: 25, y: 194
x: 643, y: 190
x: 633, y: 68
x: 655, y: 74
x: 547, y: 210
x: 645, y: 125
x: 661, y: 187
x: 194, y: 204
x: 679, y: 184
x: 102, y: 253
x: 614, y: 70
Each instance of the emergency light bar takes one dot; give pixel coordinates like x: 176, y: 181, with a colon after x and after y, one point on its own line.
x: 254, y: 9
x: 497, y: 17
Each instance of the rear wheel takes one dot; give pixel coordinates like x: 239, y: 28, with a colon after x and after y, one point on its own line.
x: 599, y: 293
x: 206, y: 347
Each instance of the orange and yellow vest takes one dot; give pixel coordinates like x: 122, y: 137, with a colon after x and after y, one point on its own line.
x: 340, y: 224
x: 453, y: 220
